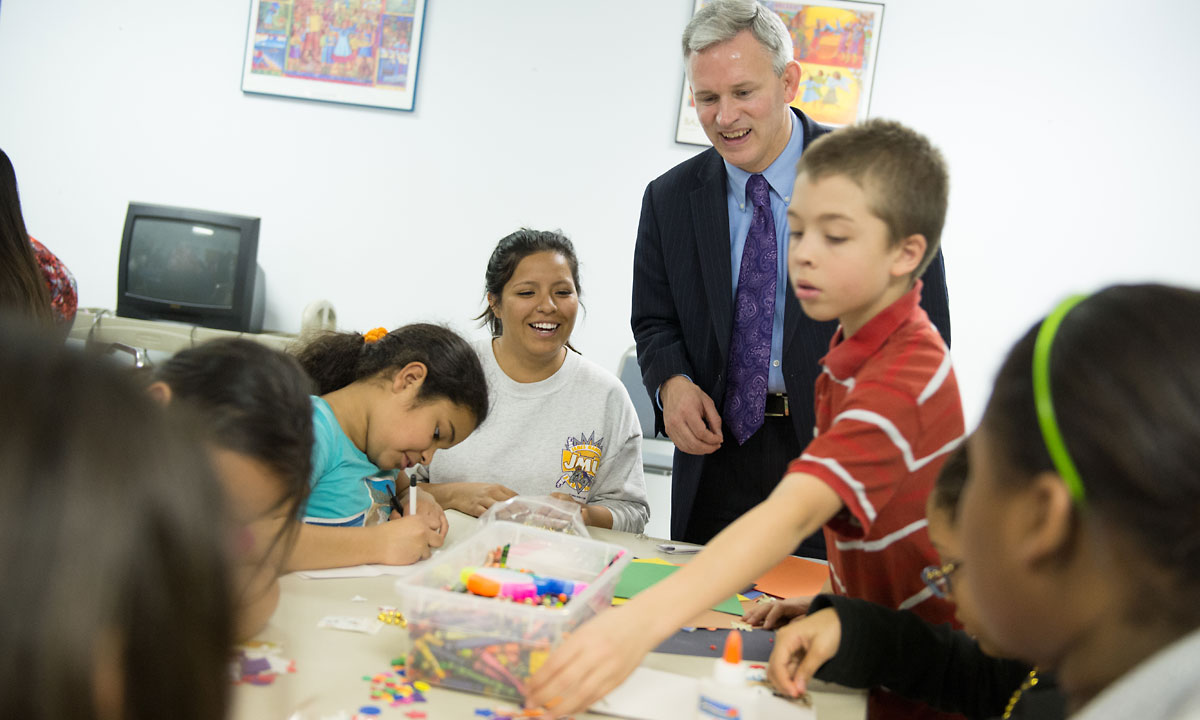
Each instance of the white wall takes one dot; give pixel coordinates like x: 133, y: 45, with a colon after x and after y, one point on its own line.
x: 1068, y: 126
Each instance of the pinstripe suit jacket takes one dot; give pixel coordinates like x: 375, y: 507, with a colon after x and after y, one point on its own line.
x: 683, y: 304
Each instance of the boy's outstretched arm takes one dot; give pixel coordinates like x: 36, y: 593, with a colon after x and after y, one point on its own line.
x: 603, y: 651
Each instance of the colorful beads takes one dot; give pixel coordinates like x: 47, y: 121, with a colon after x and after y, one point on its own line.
x: 394, y: 687
x: 392, y: 616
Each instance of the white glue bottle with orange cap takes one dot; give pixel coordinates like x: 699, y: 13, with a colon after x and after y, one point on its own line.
x: 726, y: 694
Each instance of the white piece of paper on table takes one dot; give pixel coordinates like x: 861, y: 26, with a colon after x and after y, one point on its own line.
x: 773, y: 706
x: 649, y: 694
x: 368, y: 625
x: 358, y: 571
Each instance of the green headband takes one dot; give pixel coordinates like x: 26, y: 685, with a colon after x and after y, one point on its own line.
x: 1045, y: 404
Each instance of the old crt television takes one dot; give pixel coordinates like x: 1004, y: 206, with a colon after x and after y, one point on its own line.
x: 191, y: 266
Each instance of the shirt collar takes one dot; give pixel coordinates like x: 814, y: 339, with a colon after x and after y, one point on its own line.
x: 780, y: 175
x: 845, y: 357
x: 1161, y: 686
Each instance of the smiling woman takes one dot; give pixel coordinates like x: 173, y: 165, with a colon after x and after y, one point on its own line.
x: 560, y: 424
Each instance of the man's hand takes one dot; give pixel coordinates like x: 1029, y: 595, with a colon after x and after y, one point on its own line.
x: 690, y: 417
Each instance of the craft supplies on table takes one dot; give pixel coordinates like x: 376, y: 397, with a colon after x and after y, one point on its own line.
x: 490, y: 645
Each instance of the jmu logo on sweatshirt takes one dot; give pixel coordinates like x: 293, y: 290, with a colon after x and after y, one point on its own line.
x: 580, y: 461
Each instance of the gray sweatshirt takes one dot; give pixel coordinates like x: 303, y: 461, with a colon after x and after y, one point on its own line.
x: 575, y: 432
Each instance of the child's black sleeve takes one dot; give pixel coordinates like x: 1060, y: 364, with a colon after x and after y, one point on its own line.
x: 934, y: 664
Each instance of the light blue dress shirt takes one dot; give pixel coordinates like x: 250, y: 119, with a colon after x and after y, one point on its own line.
x: 781, y: 176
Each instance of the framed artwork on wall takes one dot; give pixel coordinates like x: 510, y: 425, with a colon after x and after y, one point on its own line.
x: 835, y: 42
x: 358, y: 52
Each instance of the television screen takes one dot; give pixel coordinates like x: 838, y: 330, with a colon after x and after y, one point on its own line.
x: 192, y: 266
x: 183, y: 262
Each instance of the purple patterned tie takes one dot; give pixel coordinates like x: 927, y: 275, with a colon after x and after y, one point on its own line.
x: 753, y: 316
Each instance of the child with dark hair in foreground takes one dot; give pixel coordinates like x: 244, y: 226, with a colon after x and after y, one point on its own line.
x: 254, y: 404
x: 114, y: 574
x: 1080, y: 514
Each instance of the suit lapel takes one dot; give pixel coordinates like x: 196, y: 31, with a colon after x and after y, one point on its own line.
x: 710, y: 217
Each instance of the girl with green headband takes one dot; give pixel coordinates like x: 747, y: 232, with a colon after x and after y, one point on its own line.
x: 1081, y: 518
x: 859, y: 644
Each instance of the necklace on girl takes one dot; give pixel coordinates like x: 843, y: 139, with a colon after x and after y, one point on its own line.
x: 1030, y: 681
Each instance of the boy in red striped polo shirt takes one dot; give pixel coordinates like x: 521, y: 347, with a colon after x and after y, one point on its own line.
x: 865, y: 218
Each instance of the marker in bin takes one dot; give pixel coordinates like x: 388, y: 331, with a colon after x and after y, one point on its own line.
x: 517, y: 585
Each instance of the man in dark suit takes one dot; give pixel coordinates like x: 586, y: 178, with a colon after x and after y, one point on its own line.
x: 693, y: 233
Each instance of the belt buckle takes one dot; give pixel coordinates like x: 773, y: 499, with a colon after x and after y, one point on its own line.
x: 782, y: 398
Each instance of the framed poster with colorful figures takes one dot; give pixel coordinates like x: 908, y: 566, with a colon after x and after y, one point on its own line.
x: 359, y: 52
x: 835, y: 43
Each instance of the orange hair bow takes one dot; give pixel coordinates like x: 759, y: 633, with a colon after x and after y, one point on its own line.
x: 373, y: 336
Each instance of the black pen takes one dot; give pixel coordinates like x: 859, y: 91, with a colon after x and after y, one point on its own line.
x: 396, y: 503
x: 412, y: 495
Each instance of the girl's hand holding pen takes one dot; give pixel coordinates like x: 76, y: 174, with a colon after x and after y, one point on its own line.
x: 405, y: 540
x: 420, y: 502
x: 428, y: 507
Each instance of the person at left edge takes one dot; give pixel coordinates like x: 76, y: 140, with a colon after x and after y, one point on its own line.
x: 34, y: 283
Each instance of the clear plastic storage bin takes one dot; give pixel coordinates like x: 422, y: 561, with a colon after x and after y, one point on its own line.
x: 490, y: 645
x: 542, y: 511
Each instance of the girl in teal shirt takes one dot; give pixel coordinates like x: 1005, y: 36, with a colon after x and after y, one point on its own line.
x: 386, y: 401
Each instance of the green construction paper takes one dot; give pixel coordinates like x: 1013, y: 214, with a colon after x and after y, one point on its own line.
x: 638, y: 576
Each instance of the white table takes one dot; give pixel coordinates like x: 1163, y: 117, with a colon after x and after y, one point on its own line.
x: 330, y: 664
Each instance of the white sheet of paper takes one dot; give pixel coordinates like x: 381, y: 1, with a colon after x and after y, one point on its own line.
x: 649, y: 694
x: 773, y: 706
x: 357, y: 571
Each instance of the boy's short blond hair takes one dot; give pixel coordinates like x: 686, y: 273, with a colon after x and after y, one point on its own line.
x: 903, y: 175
